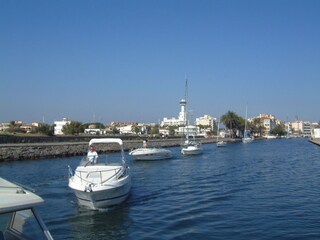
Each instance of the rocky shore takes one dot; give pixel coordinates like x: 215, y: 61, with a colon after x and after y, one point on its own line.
x: 29, y: 151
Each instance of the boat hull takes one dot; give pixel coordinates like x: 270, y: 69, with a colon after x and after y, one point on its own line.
x: 191, y: 150
x: 103, y: 196
x: 221, y: 144
x: 101, y: 186
x: 247, y: 140
x: 151, y: 154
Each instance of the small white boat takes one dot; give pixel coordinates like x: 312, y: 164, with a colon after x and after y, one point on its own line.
x: 221, y: 143
x: 271, y: 137
x: 246, y: 136
x: 150, y: 153
x: 191, y: 147
x: 19, y: 216
x: 247, y: 139
x: 99, y: 185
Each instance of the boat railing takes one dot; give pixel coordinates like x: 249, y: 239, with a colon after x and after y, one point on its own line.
x: 85, y: 175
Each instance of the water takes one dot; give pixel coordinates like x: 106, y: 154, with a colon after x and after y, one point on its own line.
x: 263, y: 190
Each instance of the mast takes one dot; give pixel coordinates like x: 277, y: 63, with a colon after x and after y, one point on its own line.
x: 186, y: 109
x: 245, y: 123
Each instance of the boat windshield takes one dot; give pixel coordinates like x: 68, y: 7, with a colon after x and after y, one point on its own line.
x: 20, y: 225
x: 103, y: 159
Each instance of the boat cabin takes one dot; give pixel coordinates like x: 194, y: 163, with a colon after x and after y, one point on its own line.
x: 19, y: 218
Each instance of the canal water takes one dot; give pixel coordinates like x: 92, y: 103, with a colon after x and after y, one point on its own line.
x: 268, y: 189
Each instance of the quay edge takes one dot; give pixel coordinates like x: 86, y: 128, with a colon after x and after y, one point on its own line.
x: 315, y: 141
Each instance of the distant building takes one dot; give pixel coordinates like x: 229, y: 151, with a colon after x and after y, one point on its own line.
x: 190, y: 130
x: 315, y: 133
x: 206, y: 120
x: 297, y: 127
x: 28, y: 128
x: 181, y: 120
x: 267, y: 121
x: 94, y: 131
x: 4, y: 127
x: 59, y: 125
x: 129, y: 129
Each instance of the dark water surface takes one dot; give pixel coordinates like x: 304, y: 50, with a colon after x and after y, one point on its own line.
x: 268, y: 189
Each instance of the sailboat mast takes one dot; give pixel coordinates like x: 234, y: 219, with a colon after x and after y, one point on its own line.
x: 245, y: 123
x: 186, y: 96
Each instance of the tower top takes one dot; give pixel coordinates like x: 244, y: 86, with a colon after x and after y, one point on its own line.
x: 183, y: 102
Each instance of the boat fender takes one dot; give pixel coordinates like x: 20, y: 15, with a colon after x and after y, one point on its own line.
x: 88, y: 188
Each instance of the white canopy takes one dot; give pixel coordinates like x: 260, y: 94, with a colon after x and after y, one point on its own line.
x: 106, y: 140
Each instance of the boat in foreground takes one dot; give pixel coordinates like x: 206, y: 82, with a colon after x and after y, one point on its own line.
x: 150, y: 153
x: 103, y: 184
x: 19, y: 218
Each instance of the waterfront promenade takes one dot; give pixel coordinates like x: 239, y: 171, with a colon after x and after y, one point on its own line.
x: 28, y: 151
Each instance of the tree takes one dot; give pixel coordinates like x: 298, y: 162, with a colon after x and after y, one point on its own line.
x: 115, y: 130
x: 278, y: 130
x: 155, y: 129
x: 257, y: 126
x: 73, y: 128
x: 46, y: 129
x: 233, y: 122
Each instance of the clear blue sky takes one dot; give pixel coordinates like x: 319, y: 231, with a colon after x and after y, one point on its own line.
x: 127, y: 60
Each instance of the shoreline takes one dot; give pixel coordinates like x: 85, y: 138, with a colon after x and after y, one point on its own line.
x: 36, y: 151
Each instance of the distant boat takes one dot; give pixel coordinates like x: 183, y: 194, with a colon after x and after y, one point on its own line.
x: 150, y: 153
x: 246, y: 137
x: 271, y: 137
x: 103, y: 184
x: 19, y: 216
x: 190, y: 146
x: 220, y: 143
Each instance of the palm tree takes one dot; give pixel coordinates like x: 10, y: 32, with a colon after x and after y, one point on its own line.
x: 233, y: 122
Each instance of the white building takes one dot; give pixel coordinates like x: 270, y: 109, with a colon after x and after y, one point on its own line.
x: 267, y: 121
x: 190, y: 130
x: 206, y: 120
x: 315, y: 133
x: 129, y: 129
x: 181, y: 120
x: 4, y: 127
x: 58, y: 125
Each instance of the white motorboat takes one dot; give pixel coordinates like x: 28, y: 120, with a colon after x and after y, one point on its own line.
x: 150, y: 153
x: 99, y: 185
x: 19, y: 218
x: 191, y: 147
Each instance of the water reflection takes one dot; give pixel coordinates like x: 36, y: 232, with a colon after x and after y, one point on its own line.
x: 111, y: 223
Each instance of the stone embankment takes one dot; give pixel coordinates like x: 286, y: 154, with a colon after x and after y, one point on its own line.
x: 315, y: 141
x: 28, y: 151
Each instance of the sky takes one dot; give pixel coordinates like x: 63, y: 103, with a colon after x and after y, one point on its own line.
x: 115, y: 60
